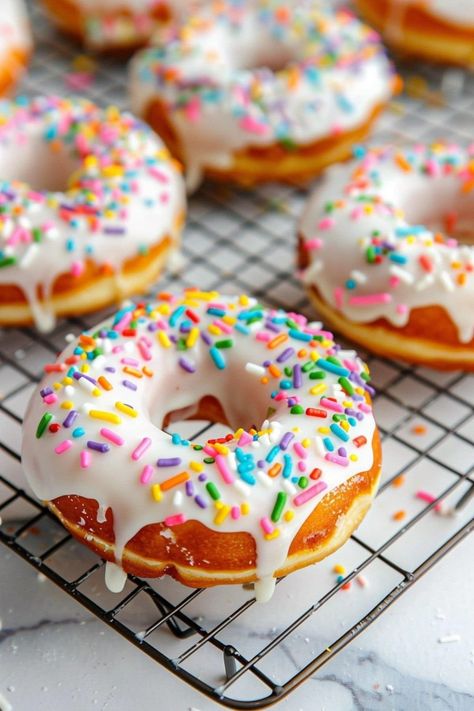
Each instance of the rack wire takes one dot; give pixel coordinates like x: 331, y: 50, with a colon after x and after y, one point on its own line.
x: 250, y: 656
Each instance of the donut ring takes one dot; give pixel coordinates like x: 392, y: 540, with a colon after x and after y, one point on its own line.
x: 106, y: 235
x: 438, y: 30
x: 248, y: 507
x: 15, y: 43
x: 112, y: 24
x: 376, y: 272
x: 262, y: 91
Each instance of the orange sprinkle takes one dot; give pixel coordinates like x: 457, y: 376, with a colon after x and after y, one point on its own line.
x: 402, y: 162
x: 133, y: 371
x: 86, y: 340
x: 398, y: 481
x: 277, y: 341
x: 461, y: 279
x: 399, y: 515
x: 148, y: 371
x: 419, y: 429
x: 274, y: 470
x: 468, y: 186
x: 103, y: 382
x: 276, y: 372
x: 302, y: 353
x: 174, y: 481
x: 264, y: 380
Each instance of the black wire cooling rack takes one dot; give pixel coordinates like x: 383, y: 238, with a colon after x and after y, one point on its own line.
x: 247, y: 655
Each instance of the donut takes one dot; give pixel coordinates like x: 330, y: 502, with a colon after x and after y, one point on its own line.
x: 438, y: 30
x: 268, y: 90
x: 113, y: 24
x: 91, y: 206
x: 377, y: 243
x: 284, y: 489
x: 15, y: 43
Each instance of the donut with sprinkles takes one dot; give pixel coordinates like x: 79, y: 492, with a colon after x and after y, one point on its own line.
x: 386, y: 248
x: 283, y: 489
x: 267, y: 90
x: 91, y: 206
x: 15, y: 43
x: 111, y: 25
x: 438, y: 30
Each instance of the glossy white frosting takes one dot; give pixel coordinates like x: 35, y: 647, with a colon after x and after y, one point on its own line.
x: 394, y: 201
x: 78, y: 183
x: 216, y: 78
x: 14, y: 27
x: 193, y: 346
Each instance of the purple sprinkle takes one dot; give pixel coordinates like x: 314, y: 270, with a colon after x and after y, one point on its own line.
x: 110, y: 369
x: 187, y: 365
x: 98, y: 446
x: 349, y: 411
x: 261, y: 464
x: 200, y: 501
x: 78, y: 376
x: 114, y: 230
x: 286, y: 439
x: 202, y: 477
x: 173, y: 338
x: 168, y: 462
x: 272, y: 327
x: 184, y: 328
x: 292, y: 401
x: 369, y: 389
x: 70, y: 417
x: 266, y: 363
x: 287, y: 353
x: 189, y: 488
x: 297, y: 378
x: 359, y: 416
x: 129, y: 384
x: 342, y: 452
x: 207, y: 339
x: 46, y: 391
x: 152, y: 327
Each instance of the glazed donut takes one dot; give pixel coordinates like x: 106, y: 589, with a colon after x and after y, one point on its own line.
x: 15, y: 43
x: 113, y: 24
x: 283, y: 491
x: 91, y: 207
x: 378, y: 263
x: 260, y: 91
x: 439, y: 30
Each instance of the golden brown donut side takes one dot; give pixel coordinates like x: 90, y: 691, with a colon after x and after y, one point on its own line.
x: 11, y: 69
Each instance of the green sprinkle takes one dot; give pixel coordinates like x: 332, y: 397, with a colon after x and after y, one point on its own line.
x: 279, y: 506
x: 333, y: 359
x: 297, y: 410
x: 197, y: 447
x: 288, y: 370
x: 37, y: 234
x: 7, y: 261
x: 226, y: 343
x: 213, y: 491
x: 209, y: 460
x: 365, y: 376
x: 370, y: 254
x: 303, y: 482
x: 346, y: 385
x: 43, y: 423
x: 309, y: 365
x: 317, y: 375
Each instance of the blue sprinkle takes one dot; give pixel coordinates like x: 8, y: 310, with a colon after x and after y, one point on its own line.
x: 299, y: 335
x: 328, y: 444
x: 217, y: 357
x: 272, y: 453
x: 287, y: 466
x: 332, y: 367
x: 339, y: 432
x: 78, y: 432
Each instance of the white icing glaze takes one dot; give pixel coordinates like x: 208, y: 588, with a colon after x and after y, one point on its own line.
x: 249, y: 468
x: 394, y: 201
x: 14, y: 27
x: 109, y: 191
x: 213, y: 76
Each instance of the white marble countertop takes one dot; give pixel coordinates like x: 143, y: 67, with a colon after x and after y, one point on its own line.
x: 55, y: 655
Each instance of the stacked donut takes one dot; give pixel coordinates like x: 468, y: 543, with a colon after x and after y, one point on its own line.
x: 15, y: 43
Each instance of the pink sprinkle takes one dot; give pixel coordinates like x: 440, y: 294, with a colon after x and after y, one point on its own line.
x: 124, y: 321
x: 63, y: 447
x: 302, y: 466
x: 350, y: 364
x: 223, y: 326
x: 193, y: 109
x: 331, y: 404
x: 86, y: 459
x: 310, y: 493
x: 326, y: 223
x: 147, y: 473
x: 112, y: 436
x: 394, y: 281
x: 336, y: 459
x: 77, y: 268
x: 401, y: 309
x: 429, y: 498
x: 50, y: 399
x: 357, y: 212
x: 300, y: 450
x: 144, y: 352
x: 280, y: 396
x: 235, y: 512
x: 251, y: 125
x: 432, y: 167
x: 140, y: 450
x: 362, y: 581
x: 370, y: 299
x: 363, y: 407
x: 130, y: 361
x: 244, y: 439
x: 315, y: 243
x: 175, y: 520
x: 208, y: 449
x: 263, y: 336
x: 267, y: 525
x: 224, y: 470
x: 339, y: 296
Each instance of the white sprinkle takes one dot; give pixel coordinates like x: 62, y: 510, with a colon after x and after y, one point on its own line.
x: 320, y: 446
x: 242, y: 488
x: 69, y: 390
x: 358, y: 276
x: 98, y: 362
x: 178, y: 499
x: 448, y: 638
x: 402, y: 274
x: 425, y: 282
x: 255, y: 369
x: 69, y: 337
x: 29, y: 255
x: 289, y: 487
x: 446, y: 281
x: 264, y: 478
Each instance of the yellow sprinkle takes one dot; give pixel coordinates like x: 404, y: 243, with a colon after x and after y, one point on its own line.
x: 192, y: 338
x: 106, y: 416
x: 218, y: 505
x: 126, y: 409
x: 289, y: 515
x: 353, y: 457
x: 57, y: 386
x: 222, y: 515
x: 318, y: 389
x: 339, y: 569
x: 85, y: 367
x: 238, y: 433
x: 244, y: 508
x: 156, y: 492
x: 221, y: 448
x: 306, y: 442
x: 324, y: 430
x: 326, y: 343
x: 67, y: 380
x: 83, y: 356
x: 205, y: 295
x: 359, y: 391
x: 345, y: 425
x: 196, y: 466
x: 163, y: 339
x: 164, y: 309
x: 230, y: 320
x: 274, y: 534
x: 215, y: 330
x: 314, y: 355
x: 243, y: 300
x: 67, y: 405
x: 96, y: 392
x: 348, y: 403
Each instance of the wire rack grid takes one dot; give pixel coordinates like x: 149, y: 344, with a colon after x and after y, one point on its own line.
x: 239, y: 654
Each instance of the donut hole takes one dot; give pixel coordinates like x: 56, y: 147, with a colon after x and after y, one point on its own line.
x: 38, y: 163
x: 274, y: 56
